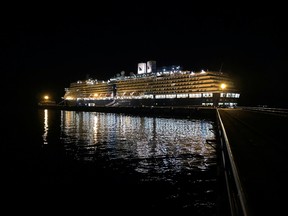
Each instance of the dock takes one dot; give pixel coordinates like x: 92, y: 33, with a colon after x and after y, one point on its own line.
x: 259, y: 147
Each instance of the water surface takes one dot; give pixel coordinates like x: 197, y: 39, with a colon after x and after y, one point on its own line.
x: 126, y: 162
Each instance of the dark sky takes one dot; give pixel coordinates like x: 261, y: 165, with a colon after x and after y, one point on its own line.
x: 43, y: 51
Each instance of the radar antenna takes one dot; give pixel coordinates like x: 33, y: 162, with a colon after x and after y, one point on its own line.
x: 221, y: 67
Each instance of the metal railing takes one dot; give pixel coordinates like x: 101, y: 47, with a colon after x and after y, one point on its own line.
x: 236, y: 196
x: 282, y: 111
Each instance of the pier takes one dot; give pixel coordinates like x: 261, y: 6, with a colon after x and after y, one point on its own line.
x: 257, y: 140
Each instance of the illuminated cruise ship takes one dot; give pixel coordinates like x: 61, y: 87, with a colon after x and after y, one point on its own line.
x: 152, y: 86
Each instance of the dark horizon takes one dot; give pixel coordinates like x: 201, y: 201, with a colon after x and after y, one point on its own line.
x: 44, y: 54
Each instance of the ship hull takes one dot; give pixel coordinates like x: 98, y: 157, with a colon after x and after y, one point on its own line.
x: 152, y: 102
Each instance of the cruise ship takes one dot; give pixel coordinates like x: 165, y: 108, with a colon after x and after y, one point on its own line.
x: 155, y: 86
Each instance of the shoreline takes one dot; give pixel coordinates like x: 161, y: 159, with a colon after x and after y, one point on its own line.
x: 155, y: 111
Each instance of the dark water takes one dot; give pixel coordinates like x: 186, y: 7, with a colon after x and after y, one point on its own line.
x: 112, y: 162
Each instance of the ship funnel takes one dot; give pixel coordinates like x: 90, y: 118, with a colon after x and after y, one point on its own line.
x: 151, y: 66
x: 141, y: 68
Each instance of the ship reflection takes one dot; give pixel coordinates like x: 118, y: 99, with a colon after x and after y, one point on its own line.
x: 157, y: 144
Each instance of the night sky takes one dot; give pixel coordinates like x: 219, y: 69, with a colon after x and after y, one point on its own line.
x: 42, y: 51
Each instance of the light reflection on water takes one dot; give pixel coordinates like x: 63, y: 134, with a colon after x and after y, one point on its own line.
x: 154, y: 144
x: 167, y: 160
x: 45, y: 134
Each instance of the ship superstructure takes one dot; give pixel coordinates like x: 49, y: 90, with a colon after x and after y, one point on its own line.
x: 151, y: 86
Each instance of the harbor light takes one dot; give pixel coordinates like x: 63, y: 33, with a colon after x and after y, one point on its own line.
x: 46, y: 101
